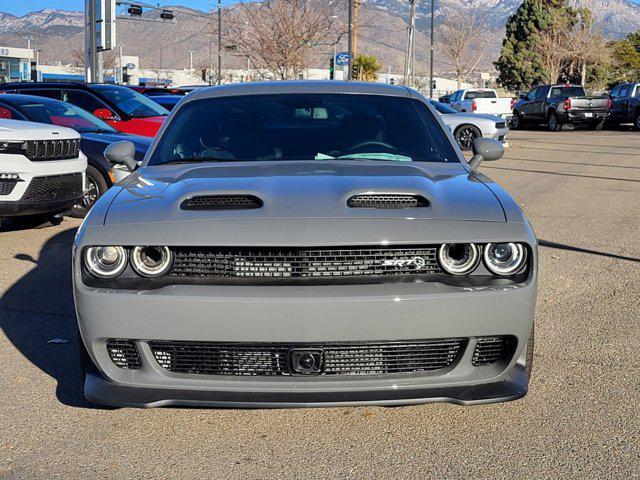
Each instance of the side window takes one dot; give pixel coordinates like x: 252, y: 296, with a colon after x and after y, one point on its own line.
x: 532, y: 94
x: 615, y: 92
x: 49, y: 93
x: 81, y: 99
x: 456, y: 96
x: 637, y: 93
x: 541, y: 93
x: 10, y: 113
x: 624, y: 92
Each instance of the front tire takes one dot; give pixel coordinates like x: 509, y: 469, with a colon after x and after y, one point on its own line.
x: 516, y: 121
x: 553, y: 122
x: 465, y: 135
x: 636, y: 122
x: 96, y: 186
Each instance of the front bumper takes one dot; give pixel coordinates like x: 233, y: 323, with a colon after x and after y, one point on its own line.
x: 388, y: 312
x: 23, y: 207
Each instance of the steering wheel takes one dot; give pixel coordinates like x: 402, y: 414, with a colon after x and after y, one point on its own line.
x: 368, y: 143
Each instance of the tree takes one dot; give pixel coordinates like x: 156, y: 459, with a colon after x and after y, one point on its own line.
x: 625, y: 59
x: 462, y: 39
x: 279, y: 35
x: 520, y: 63
x: 366, y: 68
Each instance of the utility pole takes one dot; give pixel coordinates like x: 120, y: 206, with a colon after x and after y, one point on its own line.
x: 351, y: 42
x: 90, y: 54
x: 356, y: 9
x: 120, y: 63
x: 219, y: 42
x: 191, y: 62
x: 431, y: 55
x: 408, y: 58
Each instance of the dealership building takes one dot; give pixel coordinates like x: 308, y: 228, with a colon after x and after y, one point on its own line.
x: 15, y: 64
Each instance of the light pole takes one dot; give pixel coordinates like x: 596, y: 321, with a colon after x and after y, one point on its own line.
x: 408, y: 59
x: 431, y: 54
x: 191, y: 63
x: 219, y: 42
x: 120, y: 62
x: 350, y: 65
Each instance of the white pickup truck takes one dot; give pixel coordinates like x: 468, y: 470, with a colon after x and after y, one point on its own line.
x: 481, y: 100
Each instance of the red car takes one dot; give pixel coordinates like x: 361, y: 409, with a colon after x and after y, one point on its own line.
x: 123, y: 108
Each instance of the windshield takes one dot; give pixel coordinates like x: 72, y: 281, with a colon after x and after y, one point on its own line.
x: 442, y: 108
x: 304, y: 127
x: 59, y: 113
x: 130, y: 102
x: 567, y: 92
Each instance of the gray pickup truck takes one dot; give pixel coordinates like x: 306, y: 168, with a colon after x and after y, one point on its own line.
x: 557, y: 105
x: 624, y: 104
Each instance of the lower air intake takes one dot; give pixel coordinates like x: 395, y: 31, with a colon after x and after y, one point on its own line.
x: 274, y: 359
x: 123, y: 353
x: 490, y: 350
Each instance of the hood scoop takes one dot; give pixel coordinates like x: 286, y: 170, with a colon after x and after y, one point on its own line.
x: 222, y: 202
x: 387, y: 201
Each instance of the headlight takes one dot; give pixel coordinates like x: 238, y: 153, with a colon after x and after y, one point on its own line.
x: 504, y: 258
x: 151, y: 261
x: 458, y: 258
x: 105, y: 261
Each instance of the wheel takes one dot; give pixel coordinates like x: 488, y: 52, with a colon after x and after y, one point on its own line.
x: 596, y: 126
x: 553, y: 123
x: 529, y: 356
x: 96, y: 186
x: 636, y: 122
x: 465, y: 135
x: 516, y: 121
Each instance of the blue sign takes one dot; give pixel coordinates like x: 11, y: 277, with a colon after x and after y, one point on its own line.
x: 342, y: 58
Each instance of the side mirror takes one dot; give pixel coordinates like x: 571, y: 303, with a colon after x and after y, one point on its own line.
x: 485, y: 149
x: 104, y: 114
x: 122, y: 153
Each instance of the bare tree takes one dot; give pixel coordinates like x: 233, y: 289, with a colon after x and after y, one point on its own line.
x: 279, y: 36
x: 463, y: 39
x: 586, y: 47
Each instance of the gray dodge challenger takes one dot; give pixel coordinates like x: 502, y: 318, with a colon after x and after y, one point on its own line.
x: 305, y: 244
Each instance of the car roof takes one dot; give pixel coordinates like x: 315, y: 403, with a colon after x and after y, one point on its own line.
x: 301, y: 86
x: 21, y: 98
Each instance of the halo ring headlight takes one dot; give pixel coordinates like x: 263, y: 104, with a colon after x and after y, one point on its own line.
x: 151, y: 261
x: 504, y: 258
x: 458, y: 258
x: 105, y: 261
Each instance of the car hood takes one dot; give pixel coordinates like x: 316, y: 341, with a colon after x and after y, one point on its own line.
x: 306, y: 190
x: 100, y: 141
x: 18, y: 130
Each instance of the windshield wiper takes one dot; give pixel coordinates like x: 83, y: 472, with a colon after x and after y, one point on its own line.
x: 383, y: 157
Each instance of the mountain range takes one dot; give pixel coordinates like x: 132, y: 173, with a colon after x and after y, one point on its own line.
x: 59, y: 34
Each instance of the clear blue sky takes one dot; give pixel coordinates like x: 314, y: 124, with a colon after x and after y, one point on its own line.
x: 20, y: 7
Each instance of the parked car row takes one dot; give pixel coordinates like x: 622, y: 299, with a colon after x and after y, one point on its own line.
x: 554, y: 105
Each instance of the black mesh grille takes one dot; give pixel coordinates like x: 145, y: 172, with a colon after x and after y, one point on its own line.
x: 123, y: 353
x: 54, y: 187
x: 287, y: 263
x: 493, y: 349
x: 7, y: 186
x: 43, y: 150
x: 269, y: 359
x: 222, y: 202
x: 387, y: 201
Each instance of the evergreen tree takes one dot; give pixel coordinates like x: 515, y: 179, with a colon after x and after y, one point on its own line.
x: 520, y: 65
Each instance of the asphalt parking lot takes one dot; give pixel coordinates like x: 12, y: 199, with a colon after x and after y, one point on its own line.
x: 581, y: 191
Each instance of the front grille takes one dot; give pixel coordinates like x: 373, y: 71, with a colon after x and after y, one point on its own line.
x: 222, y: 202
x: 44, y: 150
x: 7, y: 186
x: 387, y: 201
x: 491, y: 350
x: 123, y: 353
x: 288, y: 263
x: 272, y: 359
x: 54, y: 187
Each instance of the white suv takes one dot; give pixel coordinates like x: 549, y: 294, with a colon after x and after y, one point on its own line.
x: 42, y: 171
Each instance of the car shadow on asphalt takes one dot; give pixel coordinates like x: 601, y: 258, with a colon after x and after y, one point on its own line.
x: 37, y: 315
